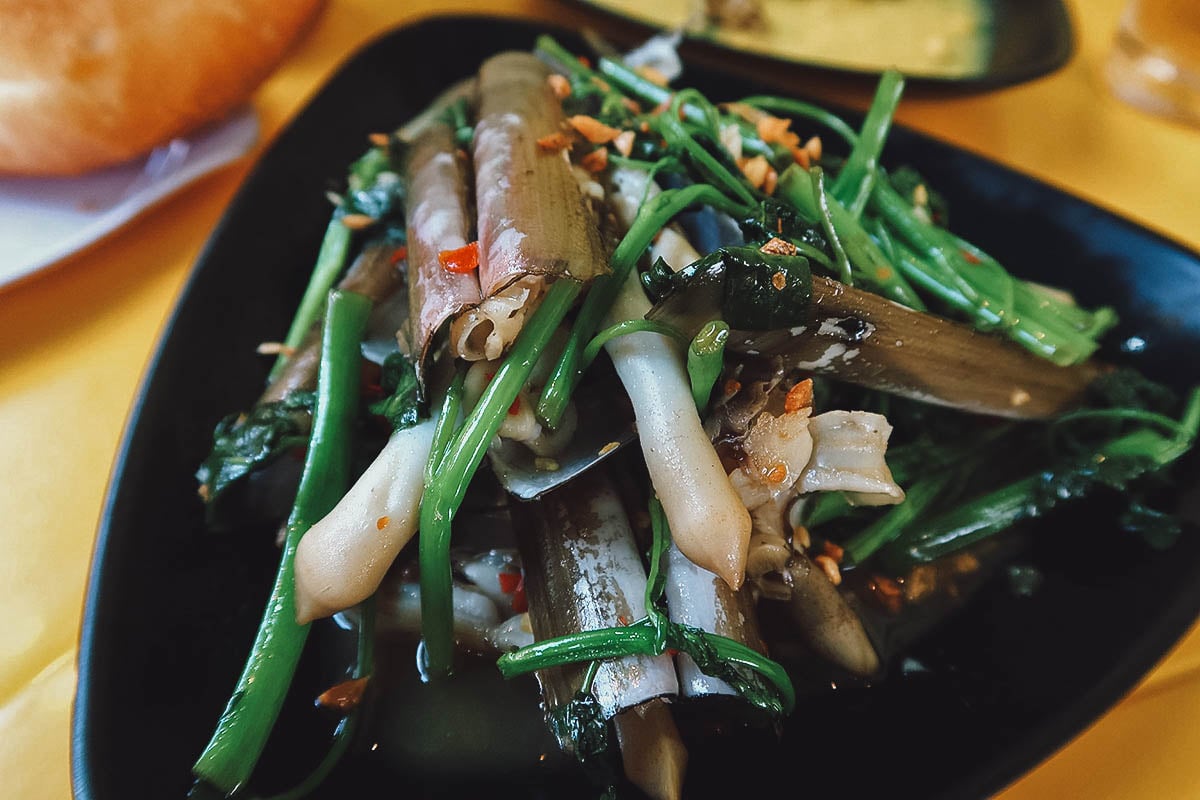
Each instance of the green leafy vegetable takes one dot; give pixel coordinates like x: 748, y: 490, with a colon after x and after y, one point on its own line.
x: 918, y: 497
x: 749, y: 289
x: 854, y: 181
x: 242, y: 445
x: 1116, y: 463
x: 871, y: 269
x: 331, y: 260
x: 651, y: 218
x: 374, y: 188
x: 802, y: 110
x: 764, y: 292
x: 348, y: 725
x: 905, y: 181
x: 773, y: 218
x: 624, y: 329
x: 712, y: 169
x: 581, y: 729
x: 447, y: 424
x: 402, y: 405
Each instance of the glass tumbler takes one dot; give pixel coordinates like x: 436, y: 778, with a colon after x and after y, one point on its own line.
x: 1155, y: 60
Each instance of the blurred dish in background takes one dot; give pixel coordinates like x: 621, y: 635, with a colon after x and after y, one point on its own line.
x: 108, y: 106
x: 985, y: 42
x: 43, y: 220
x: 1155, y: 60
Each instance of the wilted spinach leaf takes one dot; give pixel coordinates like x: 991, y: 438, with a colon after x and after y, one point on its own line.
x: 755, y: 291
x: 694, y: 642
x: 778, y: 219
x: 242, y: 445
x: 401, y: 406
x: 765, y: 292
x: 581, y: 729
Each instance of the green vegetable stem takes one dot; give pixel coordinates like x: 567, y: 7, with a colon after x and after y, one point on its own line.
x: 1114, y: 463
x: 624, y: 329
x: 804, y: 190
x: 729, y: 660
x: 370, y: 195
x: 445, y: 493
x: 857, y: 177
x: 331, y: 260
x: 447, y: 424
x: 230, y: 757
x: 343, y: 735
x: 705, y: 360
x: 651, y: 218
x: 733, y: 662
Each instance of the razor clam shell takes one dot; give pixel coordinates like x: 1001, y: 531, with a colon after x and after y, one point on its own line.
x: 583, y: 572
x: 532, y: 215
x: 438, y: 219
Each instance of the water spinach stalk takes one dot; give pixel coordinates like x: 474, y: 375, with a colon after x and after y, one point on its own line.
x: 1114, y: 463
x: 705, y: 360
x: 652, y: 217
x: 343, y: 735
x: 624, y: 329
x: 654, y: 634
x: 857, y: 176
x: 461, y: 458
x: 369, y: 198
x: 331, y: 260
x: 888, y: 243
x: 447, y: 424
x: 230, y: 757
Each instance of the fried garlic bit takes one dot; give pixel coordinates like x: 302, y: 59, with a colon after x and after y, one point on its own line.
x: 778, y: 247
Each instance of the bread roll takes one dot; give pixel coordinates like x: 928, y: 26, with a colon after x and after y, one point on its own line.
x: 88, y: 83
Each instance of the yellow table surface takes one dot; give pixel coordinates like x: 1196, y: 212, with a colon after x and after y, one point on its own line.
x: 75, y: 339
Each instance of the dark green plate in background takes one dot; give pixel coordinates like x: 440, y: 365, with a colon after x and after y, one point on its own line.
x: 981, y: 43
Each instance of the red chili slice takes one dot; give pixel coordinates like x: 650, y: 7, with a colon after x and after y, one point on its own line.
x: 464, y: 259
x: 509, y: 581
x: 519, y: 602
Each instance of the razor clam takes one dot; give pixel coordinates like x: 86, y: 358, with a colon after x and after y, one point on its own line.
x: 583, y: 572
x: 438, y: 219
x: 535, y: 222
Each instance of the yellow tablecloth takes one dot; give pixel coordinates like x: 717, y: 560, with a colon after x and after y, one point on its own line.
x: 74, y: 341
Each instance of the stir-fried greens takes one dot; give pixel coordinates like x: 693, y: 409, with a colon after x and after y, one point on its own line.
x: 811, y: 433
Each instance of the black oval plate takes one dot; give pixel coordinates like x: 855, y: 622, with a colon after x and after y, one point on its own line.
x: 171, y: 610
